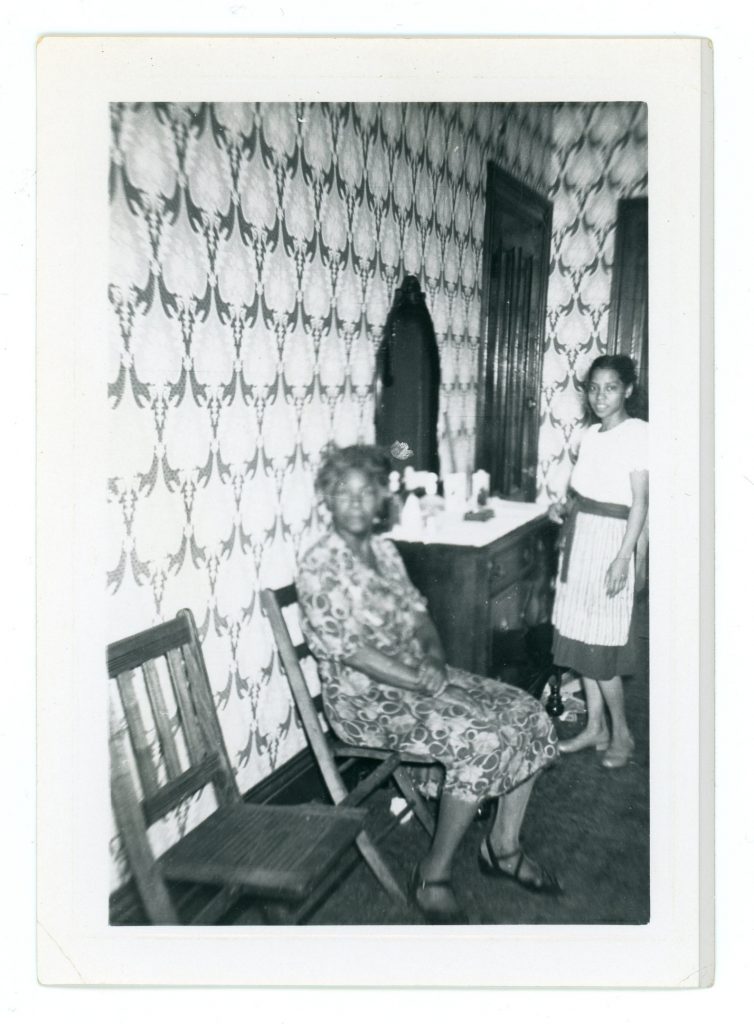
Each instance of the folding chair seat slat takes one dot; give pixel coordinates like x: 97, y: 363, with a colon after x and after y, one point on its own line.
x: 374, y: 753
x: 162, y: 719
x: 141, y: 746
x: 275, y: 850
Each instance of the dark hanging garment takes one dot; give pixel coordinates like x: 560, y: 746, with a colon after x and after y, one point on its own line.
x: 408, y: 382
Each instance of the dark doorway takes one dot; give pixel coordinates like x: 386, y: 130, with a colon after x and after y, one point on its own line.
x: 514, y: 292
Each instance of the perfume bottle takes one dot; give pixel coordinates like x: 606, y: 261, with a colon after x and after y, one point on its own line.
x: 412, y: 520
x: 396, y: 497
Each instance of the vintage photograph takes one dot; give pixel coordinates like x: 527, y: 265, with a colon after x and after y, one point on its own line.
x: 377, y: 589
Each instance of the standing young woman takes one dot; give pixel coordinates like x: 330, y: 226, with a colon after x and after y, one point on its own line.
x: 605, y: 514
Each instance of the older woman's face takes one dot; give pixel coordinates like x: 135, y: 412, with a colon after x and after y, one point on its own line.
x: 354, y: 503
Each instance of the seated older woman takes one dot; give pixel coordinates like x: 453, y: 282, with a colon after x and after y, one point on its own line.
x: 386, y: 684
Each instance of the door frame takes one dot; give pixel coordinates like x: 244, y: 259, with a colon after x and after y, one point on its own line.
x: 535, y: 208
x: 630, y: 278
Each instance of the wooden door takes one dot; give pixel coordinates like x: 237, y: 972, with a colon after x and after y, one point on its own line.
x: 514, y: 292
x: 628, y: 328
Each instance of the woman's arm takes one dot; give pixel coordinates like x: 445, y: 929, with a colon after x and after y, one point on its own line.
x: 617, y: 574
x: 429, y: 638
x: 386, y: 669
x: 642, y: 556
x: 429, y: 677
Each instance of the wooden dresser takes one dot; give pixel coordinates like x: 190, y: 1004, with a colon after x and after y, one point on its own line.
x: 477, y: 591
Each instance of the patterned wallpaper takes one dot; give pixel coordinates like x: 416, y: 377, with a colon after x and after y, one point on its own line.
x: 599, y: 156
x: 254, y: 254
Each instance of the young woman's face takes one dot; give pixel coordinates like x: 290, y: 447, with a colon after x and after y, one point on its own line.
x: 607, y: 394
x: 354, y: 503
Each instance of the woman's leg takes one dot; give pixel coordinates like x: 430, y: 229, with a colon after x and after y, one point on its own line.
x: 595, y: 733
x: 612, y: 692
x: 501, y: 851
x: 511, y: 807
x: 453, y: 819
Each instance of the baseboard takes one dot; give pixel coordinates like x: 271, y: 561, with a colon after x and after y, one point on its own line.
x: 294, y: 782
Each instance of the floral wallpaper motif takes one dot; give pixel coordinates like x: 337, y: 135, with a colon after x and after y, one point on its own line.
x: 254, y: 253
x: 255, y: 249
x: 599, y: 156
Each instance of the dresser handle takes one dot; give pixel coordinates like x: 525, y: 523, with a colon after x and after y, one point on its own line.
x: 499, y: 570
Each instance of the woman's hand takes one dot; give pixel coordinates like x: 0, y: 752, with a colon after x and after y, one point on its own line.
x: 460, y: 697
x: 557, y: 511
x: 616, y: 576
x: 433, y: 676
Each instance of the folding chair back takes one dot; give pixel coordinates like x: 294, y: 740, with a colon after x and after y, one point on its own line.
x: 167, y: 747
x: 328, y: 751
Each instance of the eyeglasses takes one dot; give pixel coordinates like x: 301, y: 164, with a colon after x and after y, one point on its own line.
x: 344, y: 497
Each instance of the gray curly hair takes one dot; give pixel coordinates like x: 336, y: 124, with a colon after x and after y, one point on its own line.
x: 368, y: 458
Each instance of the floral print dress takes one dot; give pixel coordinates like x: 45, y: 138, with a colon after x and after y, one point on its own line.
x: 489, y: 739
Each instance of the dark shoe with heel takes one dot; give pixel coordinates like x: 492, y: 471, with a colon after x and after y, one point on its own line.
x: 450, y: 913
x: 545, y: 883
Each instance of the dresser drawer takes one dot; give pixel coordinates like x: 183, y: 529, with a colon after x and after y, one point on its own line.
x: 509, y: 564
x: 507, y: 609
x: 476, y: 593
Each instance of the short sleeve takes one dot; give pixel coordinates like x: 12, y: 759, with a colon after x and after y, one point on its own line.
x: 328, y: 624
x: 638, y: 450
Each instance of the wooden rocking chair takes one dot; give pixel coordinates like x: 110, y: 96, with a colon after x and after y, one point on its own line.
x: 282, y: 855
x: 328, y: 751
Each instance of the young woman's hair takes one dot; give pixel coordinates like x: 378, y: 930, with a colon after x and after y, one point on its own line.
x: 623, y: 366
x: 372, y: 461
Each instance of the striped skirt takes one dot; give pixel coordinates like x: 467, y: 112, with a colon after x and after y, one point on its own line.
x: 582, y: 609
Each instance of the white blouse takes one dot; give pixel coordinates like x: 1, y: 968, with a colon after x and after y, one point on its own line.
x: 607, y: 458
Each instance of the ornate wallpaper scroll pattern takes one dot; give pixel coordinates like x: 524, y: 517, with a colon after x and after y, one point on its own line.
x: 254, y: 254
x: 599, y: 156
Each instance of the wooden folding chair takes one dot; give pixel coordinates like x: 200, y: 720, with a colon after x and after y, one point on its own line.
x: 327, y: 750
x: 168, y: 737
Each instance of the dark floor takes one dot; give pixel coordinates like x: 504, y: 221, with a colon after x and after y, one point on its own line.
x: 588, y: 823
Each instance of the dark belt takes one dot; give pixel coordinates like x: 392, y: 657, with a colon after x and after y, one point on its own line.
x: 593, y: 508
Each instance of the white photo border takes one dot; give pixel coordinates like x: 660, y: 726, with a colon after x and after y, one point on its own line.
x: 76, y: 945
